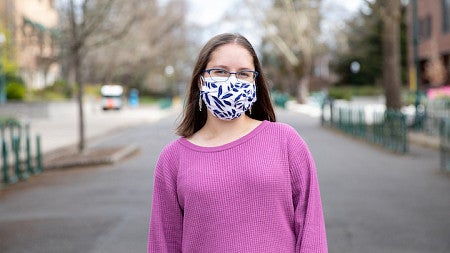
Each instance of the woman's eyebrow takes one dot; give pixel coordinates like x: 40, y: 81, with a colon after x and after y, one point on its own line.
x: 227, y: 68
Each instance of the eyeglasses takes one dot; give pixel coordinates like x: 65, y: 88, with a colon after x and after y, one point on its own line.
x: 222, y: 75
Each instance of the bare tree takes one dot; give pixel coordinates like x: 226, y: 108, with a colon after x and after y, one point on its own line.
x: 157, y: 40
x: 293, y: 26
x: 390, y: 11
x: 87, y: 24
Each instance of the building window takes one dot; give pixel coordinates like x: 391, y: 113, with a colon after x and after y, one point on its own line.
x: 425, y: 27
x: 446, y: 16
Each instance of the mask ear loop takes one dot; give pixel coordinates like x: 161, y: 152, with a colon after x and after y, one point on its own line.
x: 250, y: 109
x: 200, y: 94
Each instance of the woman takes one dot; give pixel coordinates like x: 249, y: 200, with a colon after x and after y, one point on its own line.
x: 236, y: 181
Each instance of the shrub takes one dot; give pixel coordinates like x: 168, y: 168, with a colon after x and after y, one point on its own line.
x: 15, y: 91
x: 340, y: 93
x: 60, y: 87
x: 348, y: 92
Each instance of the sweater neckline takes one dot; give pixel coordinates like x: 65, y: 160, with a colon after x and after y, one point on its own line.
x: 183, y: 141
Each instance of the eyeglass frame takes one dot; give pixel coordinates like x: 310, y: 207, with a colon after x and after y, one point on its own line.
x: 255, y: 73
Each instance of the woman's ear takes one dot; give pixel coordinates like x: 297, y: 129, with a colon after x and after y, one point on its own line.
x: 200, y: 82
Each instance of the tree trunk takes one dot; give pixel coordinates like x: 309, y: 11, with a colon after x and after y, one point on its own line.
x: 303, y: 89
x: 305, y: 80
x: 391, y: 54
x: 79, y: 83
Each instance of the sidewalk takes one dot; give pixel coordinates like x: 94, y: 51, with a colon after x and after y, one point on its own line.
x: 416, y: 138
x: 59, y: 132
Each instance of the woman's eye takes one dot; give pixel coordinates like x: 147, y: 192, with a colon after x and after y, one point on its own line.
x: 244, y: 74
x: 220, y: 72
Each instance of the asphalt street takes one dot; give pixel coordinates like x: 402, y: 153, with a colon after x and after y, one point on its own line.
x: 374, y: 201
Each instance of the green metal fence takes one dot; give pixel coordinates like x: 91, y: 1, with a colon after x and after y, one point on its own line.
x: 18, y: 161
x: 386, y: 128
x: 445, y: 144
x: 435, y: 111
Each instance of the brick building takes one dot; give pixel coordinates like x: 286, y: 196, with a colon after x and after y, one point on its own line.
x: 30, y: 28
x: 433, y: 44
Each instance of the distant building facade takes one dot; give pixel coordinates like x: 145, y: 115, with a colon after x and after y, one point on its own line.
x: 433, y: 41
x: 33, y: 39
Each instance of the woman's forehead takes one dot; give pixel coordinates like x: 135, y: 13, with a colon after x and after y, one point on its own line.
x: 231, y: 55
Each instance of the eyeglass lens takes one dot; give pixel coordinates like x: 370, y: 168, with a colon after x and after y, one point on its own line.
x: 223, y: 75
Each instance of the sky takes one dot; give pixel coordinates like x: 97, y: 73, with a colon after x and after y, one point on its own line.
x: 212, y: 11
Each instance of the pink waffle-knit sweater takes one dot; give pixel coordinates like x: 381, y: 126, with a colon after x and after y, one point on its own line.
x: 259, y: 193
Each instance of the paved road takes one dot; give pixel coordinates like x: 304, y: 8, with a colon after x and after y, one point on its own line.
x: 374, y: 201
x: 100, y: 209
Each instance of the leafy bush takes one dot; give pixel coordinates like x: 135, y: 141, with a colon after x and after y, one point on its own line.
x: 348, y: 92
x: 59, y: 88
x: 148, y: 99
x: 367, y: 91
x: 58, y: 91
x: 92, y: 90
x: 410, y: 97
x: 340, y: 93
x: 15, y: 91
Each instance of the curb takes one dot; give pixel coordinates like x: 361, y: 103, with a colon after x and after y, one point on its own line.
x: 424, y: 140
x: 123, y: 153
x: 91, y: 157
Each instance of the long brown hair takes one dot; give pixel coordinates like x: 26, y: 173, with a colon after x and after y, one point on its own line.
x: 193, y: 119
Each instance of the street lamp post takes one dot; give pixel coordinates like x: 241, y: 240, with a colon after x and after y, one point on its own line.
x: 169, y: 71
x: 355, y: 66
x: 167, y: 102
x: 2, y: 73
x: 416, y: 61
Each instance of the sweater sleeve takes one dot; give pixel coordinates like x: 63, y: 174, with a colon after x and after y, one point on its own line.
x: 166, y: 222
x: 309, y: 220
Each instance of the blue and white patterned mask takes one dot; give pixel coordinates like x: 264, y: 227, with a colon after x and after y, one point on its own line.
x: 227, y: 99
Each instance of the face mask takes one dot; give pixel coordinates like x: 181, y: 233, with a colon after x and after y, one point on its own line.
x: 228, y: 99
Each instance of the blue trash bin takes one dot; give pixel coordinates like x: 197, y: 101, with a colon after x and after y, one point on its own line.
x: 133, y: 100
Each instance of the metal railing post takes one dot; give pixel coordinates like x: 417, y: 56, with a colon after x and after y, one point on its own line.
x: 28, y: 150
x: 18, y: 170
x: 39, y: 166
x: 5, y: 165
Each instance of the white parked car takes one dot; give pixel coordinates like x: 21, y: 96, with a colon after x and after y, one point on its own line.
x: 112, y: 97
